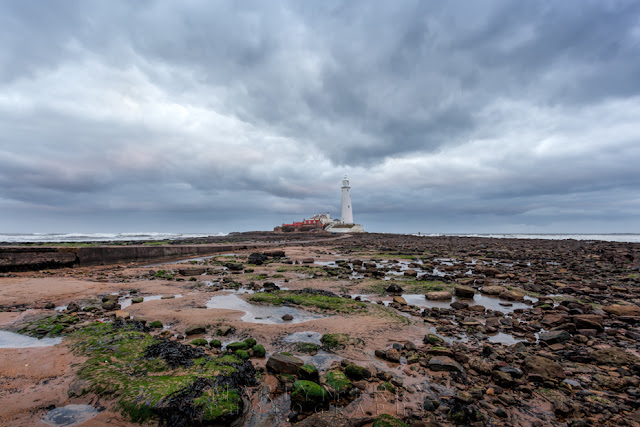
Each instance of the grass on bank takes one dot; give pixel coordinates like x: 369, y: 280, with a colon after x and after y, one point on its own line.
x: 319, y: 302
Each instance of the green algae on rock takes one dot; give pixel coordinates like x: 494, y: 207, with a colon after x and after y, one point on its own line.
x: 152, y: 378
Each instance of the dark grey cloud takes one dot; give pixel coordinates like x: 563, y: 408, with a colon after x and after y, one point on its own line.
x: 173, y: 115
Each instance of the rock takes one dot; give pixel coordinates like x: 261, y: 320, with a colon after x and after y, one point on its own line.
x: 394, y: 289
x: 464, y: 291
x: 73, y: 307
x: 410, y: 273
x: 78, y: 388
x: 459, y: 305
x: 196, y: 271
x: 512, y: 295
x: 444, y: 363
x: 287, y: 317
x: 49, y: 306
x: 492, y: 290
x: 392, y: 355
x: 308, y: 394
x: 121, y: 314
x: 554, y: 337
x: 616, y: 357
x: 399, y: 300
x: 432, y: 339
x: 257, y: 258
x: 512, y: 370
x: 543, y: 368
x: 356, y: 372
x: 225, y: 330
x: 622, y: 310
x: 308, y: 372
x: 195, y: 330
x: 588, y: 321
x: 338, y: 382
x: 110, y: 306
x: 259, y: 351
x: 307, y: 261
x: 438, y: 296
x: 137, y: 300
x: 282, y: 364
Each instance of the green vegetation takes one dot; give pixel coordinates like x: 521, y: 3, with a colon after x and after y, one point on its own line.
x: 163, y: 274
x: 338, y: 381
x: 306, y: 347
x: 259, y: 350
x: 309, y: 269
x: 117, y: 366
x: 215, y: 343
x: 336, y: 341
x: 391, y: 314
x: 386, y: 420
x: 156, y: 324
x: 50, y: 326
x: 200, y: 342
x: 157, y: 243
x: 321, y: 302
x: 387, y: 386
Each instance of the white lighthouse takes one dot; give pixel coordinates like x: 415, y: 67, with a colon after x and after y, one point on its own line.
x: 345, y: 225
x: 347, y: 212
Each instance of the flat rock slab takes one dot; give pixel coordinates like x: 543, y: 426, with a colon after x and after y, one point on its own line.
x: 282, y: 364
x: 444, y: 363
x: 438, y: 296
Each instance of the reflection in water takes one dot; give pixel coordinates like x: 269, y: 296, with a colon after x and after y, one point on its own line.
x: 70, y: 415
x: 260, y: 313
x: 13, y: 340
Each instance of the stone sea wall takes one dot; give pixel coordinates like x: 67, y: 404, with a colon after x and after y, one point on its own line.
x: 22, y: 258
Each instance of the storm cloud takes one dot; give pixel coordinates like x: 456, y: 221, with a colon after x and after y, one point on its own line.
x: 199, y: 116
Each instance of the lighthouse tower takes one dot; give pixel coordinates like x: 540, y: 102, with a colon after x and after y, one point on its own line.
x: 347, y: 212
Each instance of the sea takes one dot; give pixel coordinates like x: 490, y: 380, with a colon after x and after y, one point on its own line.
x: 97, y: 237
x: 613, y: 237
x: 114, y: 237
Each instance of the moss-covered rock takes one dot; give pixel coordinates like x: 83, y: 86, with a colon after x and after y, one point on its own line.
x: 308, y: 372
x: 200, y: 342
x: 308, y: 394
x: 151, y: 378
x: 243, y: 354
x: 387, y: 386
x: 156, y: 324
x: 215, y: 343
x: 386, y: 420
x: 338, y: 381
x: 238, y: 345
x: 306, y: 347
x: 356, y: 372
x: 259, y: 350
x: 333, y: 341
x: 250, y: 342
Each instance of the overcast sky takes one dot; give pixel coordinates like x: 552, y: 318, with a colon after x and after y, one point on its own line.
x: 218, y: 116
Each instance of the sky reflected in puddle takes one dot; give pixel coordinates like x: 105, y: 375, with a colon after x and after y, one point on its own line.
x: 14, y: 340
x: 255, y: 313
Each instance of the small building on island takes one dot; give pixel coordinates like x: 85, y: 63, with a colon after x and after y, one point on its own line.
x: 323, y: 221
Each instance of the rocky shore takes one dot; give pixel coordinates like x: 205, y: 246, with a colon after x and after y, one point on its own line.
x: 371, y: 329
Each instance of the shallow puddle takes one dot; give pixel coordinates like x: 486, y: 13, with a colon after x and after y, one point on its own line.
x: 487, y: 302
x: 506, y: 339
x: 14, y: 340
x: 255, y: 313
x: 305, y: 336
x: 70, y: 415
x: 321, y: 360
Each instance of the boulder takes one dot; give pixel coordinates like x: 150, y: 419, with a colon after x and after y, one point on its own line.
x: 554, y: 337
x: 287, y: 317
x: 410, y: 272
x: 356, y: 372
x: 464, y: 291
x: 542, y: 368
x: 257, y: 258
x: 588, y: 321
x: 512, y: 295
x: 492, y: 290
x: 308, y: 394
x: 616, y: 357
x: 444, y: 363
x: 394, y: 289
x: 282, y: 364
x: 195, y: 330
x: 622, y: 310
x: 399, y: 300
x: 392, y: 355
x: 438, y: 296
x: 195, y: 271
